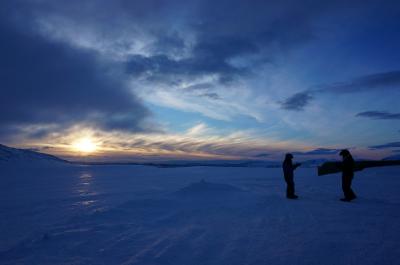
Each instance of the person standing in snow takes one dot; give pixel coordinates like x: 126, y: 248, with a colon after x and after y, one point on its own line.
x: 288, y: 173
x: 347, y: 175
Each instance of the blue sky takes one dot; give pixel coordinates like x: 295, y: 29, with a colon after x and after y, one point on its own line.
x: 200, y: 79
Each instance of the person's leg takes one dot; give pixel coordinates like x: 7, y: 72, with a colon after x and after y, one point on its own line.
x: 352, y: 195
x: 346, y: 187
x: 290, y: 187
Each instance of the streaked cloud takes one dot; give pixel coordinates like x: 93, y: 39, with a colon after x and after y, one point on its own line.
x: 386, y: 146
x: 297, y: 102
x: 376, y: 81
x: 368, y: 83
x: 199, y: 141
x: 47, y: 82
x: 141, y: 71
x: 262, y: 155
x: 379, y: 115
x: 319, y: 151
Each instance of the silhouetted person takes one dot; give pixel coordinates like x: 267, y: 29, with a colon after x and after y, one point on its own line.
x: 347, y: 175
x: 288, y: 169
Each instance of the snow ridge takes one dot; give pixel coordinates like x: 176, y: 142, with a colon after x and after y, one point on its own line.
x: 9, y: 154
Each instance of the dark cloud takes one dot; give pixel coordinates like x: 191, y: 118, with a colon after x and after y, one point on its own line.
x: 214, y: 96
x: 379, y: 115
x: 39, y: 133
x: 47, y: 82
x: 224, y: 48
x: 219, y: 33
x: 378, y: 81
x: 367, y: 83
x: 319, y: 151
x: 386, y: 146
x: 262, y: 155
x: 40, y: 149
x: 161, y: 68
x: 297, y: 102
x: 197, y: 87
x: 224, y: 31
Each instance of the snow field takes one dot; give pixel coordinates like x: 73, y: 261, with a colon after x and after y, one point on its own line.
x: 196, y: 215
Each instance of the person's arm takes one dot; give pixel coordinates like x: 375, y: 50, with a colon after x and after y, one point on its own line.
x: 296, y: 165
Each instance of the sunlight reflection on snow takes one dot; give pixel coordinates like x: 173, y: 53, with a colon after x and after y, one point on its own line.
x: 85, y: 190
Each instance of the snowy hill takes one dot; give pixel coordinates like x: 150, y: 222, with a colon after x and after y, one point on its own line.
x: 25, y: 156
x: 393, y: 157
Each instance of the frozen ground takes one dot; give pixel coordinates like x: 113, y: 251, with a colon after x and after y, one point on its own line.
x: 147, y: 215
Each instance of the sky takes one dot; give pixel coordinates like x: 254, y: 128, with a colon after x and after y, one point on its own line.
x: 159, y: 80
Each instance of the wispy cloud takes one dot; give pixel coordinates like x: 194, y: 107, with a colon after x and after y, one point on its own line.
x: 200, y: 129
x: 298, y: 101
x: 377, y: 81
x: 107, y: 64
x: 262, y: 155
x: 165, y: 46
x: 379, y: 115
x: 363, y: 84
x: 48, y: 82
x: 319, y: 151
x: 199, y: 141
x: 386, y: 146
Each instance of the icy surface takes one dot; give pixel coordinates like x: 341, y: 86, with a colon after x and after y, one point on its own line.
x: 65, y: 214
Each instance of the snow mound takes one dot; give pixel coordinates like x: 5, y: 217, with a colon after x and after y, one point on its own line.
x: 10, y: 155
x: 207, y: 187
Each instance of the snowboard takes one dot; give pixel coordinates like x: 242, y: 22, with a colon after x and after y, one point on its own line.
x: 335, y: 167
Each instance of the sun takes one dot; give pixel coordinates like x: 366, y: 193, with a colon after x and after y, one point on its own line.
x: 85, y: 145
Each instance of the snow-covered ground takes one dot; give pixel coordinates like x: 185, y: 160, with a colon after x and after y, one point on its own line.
x: 68, y: 214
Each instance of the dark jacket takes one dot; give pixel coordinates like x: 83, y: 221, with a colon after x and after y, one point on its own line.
x: 348, y: 166
x: 288, y: 168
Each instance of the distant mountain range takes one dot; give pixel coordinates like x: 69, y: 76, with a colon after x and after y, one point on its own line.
x: 197, y: 163
x: 9, y: 154
x: 393, y: 157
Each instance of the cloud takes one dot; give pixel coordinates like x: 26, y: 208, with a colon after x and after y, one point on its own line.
x: 377, y: 81
x: 68, y: 63
x: 386, y: 146
x: 48, y: 82
x: 164, y: 46
x: 200, y: 141
x: 319, y: 151
x: 366, y: 83
x: 262, y: 155
x: 162, y: 68
x: 379, y: 115
x: 297, y: 102
x: 211, y: 95
x: 200, y: 129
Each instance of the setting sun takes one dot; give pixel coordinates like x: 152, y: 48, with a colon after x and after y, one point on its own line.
x: 85, y: 145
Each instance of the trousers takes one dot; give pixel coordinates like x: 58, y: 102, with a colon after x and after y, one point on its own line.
x: 346, y: 187
x: 289, y: 186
